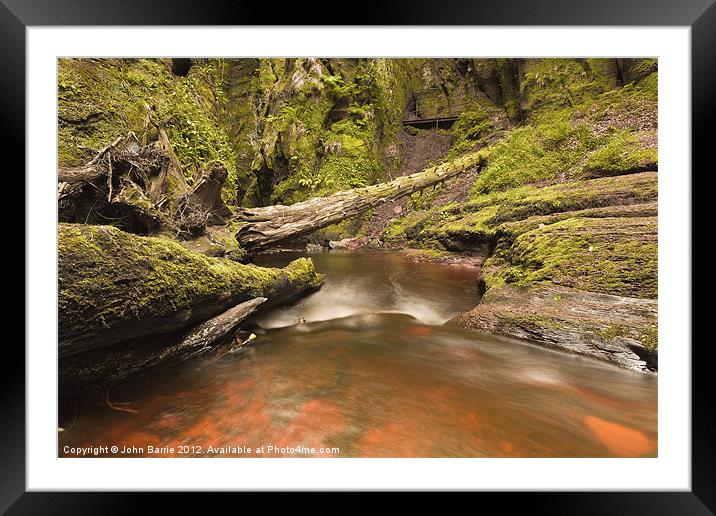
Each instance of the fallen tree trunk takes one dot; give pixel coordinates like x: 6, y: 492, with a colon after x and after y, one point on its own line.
x: 269, y: 225
x: 115, y: 286
x: 105, y: 368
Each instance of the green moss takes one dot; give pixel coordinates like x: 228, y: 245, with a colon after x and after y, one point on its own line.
x: 219, y: 241
x: 603, y: 129
x: 327, y: 127
x: 99, y: 100
x: 612, y: 331
x: 505, y: 215
x: 557, y: 83
x: 649, y: 85
x: 423, y: 199
x: 516, y: 228
x: 472, y: 128
x: 526, y: 156
x: 621, y: 152
x: 647, y: 335
x: 527, y: 201
x: 460, y: 232
x: 427, y: 254
x: 107, y: 276
x: 397, y: 228
x: 348, y: 228
x: 643, y: 68
x: 614, y: 256
x: 597, y: 235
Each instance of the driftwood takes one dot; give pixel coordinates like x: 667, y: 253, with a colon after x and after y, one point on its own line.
x: 108, y: 368
x: 269, y: 225
x: 124, y: 183
x: 206, y: 192
x: 216, y: 328
x: 141, y: 188
x: 202, y: 205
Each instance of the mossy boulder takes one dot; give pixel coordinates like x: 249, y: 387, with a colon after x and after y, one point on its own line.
x: 114, y: 286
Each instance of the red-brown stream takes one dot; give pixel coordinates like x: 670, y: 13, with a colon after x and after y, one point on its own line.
x: 373, y: 373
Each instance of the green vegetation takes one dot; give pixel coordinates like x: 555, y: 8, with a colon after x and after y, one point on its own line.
x: 527, y: 155
x: 646, y: 335
x: 605, y: 134
x: 551, y: 84
x: 513, y: 210
x: 473, y: 128
x: 564, y: 197
x: 406, y: 227
x: 423, y: 199
x: 328, y: 128
x: 290, y: 129
x: 99, y: 100
x: 612, y: 256
x: 621, y: 152
x: 597, y: 235
x: 107, y: 276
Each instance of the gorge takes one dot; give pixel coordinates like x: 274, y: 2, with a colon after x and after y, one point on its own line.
x: 491, y: 223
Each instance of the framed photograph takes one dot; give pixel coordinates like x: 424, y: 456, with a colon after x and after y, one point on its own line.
x: 446, y: 249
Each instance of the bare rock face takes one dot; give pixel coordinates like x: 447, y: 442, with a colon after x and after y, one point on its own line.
x: 621, y: 330
x: 349, y: 243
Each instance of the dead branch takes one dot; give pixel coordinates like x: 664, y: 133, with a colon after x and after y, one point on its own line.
x: 269, y: 225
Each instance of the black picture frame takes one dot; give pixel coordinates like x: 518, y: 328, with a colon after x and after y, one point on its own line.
x: 700, y: 15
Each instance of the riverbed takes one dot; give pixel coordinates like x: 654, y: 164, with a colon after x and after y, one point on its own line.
x: 365, y: 367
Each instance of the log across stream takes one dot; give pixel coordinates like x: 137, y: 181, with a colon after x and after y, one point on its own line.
x: 364, y: 367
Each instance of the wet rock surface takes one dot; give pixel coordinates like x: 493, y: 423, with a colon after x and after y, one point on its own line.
x: 622, y: 330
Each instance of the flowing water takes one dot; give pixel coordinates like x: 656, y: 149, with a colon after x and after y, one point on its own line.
x: 373, y: 373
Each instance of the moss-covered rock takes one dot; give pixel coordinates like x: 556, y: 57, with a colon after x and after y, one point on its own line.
x: 114, y: 286
x: 608, y: 255
x: 326, y: 126
x: 541, y: 211
x: 554, y: 83
x: 290, y: 128
x: 611, y: 133
x: 482, y: 220
x: 617, y: 329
